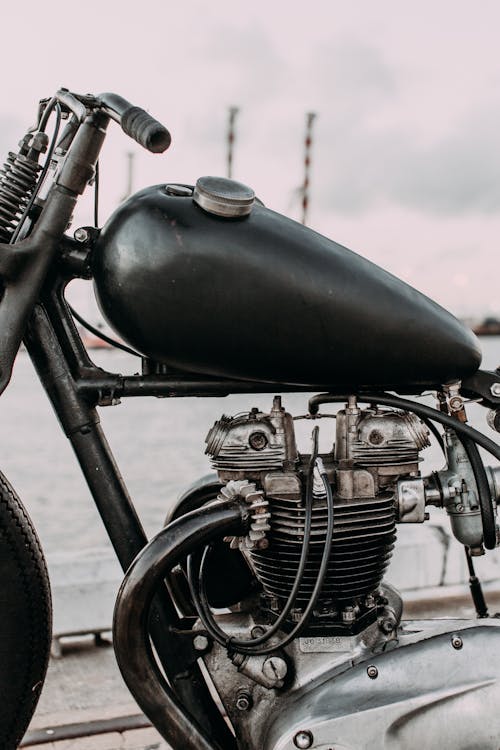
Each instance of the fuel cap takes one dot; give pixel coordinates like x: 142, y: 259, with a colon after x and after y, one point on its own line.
x: 223, y: 197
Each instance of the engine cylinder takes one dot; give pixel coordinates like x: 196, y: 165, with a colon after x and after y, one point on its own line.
x: 363, y: 539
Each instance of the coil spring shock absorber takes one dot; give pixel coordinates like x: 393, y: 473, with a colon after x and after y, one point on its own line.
x: 18, y: 179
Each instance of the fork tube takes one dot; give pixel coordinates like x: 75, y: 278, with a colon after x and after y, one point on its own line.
x: 80, y: 422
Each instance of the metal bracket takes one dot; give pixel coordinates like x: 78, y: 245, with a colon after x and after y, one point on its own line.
x: 486, y: 384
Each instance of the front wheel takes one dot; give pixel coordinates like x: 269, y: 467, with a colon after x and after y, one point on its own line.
x: 25, y: 618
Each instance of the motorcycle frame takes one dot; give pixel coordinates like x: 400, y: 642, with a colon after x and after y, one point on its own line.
x: 75, y: 387
x: 35, y: 273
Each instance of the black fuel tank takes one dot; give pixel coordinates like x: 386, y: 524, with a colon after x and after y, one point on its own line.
x: 264, y: 298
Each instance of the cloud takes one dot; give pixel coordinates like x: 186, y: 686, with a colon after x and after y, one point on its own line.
x: 457, y: 174
x: 358, y: 166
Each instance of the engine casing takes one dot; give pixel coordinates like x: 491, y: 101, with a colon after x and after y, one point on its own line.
x: 435, y: 686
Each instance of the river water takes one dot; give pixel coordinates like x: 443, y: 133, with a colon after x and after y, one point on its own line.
x: 158, y: 444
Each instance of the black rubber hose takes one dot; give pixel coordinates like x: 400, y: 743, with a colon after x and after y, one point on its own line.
x: 439, y: 438
x: 222, y: 638
x: 421, y: 410
x: 468, y: 436
x: 235, y: 643
x: 193, y: 571
x: 298, y: 629
x: 483, y: 491
x: 130, y: 623
x: 100, y: 334
x: 196, y: 578
x: 483, y: 487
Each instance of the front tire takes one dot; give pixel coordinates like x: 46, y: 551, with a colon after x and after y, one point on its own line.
x: 25, y: 618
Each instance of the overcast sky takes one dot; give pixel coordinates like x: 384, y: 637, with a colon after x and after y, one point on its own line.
x: 406, y: 150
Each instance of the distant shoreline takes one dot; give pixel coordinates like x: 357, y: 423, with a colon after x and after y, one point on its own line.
x: 486, y: 330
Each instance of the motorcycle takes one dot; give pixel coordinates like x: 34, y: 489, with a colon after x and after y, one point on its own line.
x: 259, y: 616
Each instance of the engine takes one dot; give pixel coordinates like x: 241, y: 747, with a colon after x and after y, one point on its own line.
x: 313, y: 654
x: 292, y: 624
x: 373, y: 474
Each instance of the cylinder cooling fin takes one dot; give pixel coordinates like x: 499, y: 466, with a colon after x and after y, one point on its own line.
x: 363, y: 538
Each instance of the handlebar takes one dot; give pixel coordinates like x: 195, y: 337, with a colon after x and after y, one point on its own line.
x: 24, y: 263
x: 136, y: 123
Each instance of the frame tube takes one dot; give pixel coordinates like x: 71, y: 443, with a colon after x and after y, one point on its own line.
x: 80, y: 422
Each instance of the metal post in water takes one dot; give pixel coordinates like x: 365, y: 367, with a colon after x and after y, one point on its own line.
x: 233, y: 111
x: 310, y: 117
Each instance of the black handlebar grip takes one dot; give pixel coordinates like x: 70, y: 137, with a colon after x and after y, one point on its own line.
x: 144, y: 129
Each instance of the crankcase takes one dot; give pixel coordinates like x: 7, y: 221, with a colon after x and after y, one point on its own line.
x: 440, y: 691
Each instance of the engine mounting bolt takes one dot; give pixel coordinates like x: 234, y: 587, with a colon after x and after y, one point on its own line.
x: 243, y: 701
x: 274, y: 604
x: 200, y: 643
x: 387, y: 625
x: 81, y: 235
x: 372, y: 672
x: 495, y: 389
x: 303, y: 739
x: 257, y: 631
x: 456, y: 642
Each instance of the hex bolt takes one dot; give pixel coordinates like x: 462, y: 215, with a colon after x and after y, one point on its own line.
x: 387, y: 625
x: 372, y: 672
x: 369, y: 601
x: 200, y: 643
x: 81, y: 235
x: 243, y: 701
x: 495, y: 389
x: 456, y: 403
x: 303, y: 739
x: 257, y: 631
x: 274, y: 604
x: 456, y: 641
x: 348, y: 614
